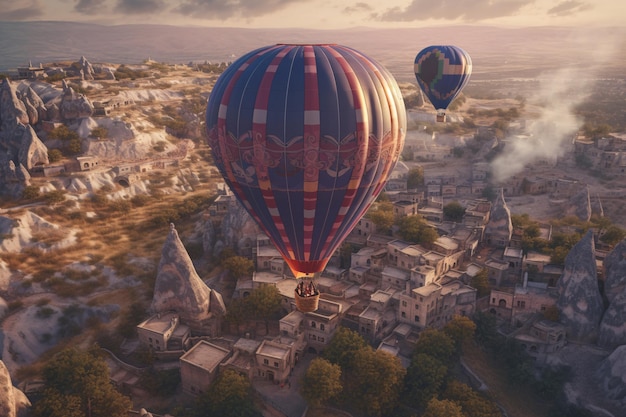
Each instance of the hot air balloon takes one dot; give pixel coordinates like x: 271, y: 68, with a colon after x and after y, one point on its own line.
x: 442, y: 71
x: 306, y: 137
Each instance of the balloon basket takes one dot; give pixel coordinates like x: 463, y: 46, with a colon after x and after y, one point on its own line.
x: 441, y: 118
x: 307, y: 304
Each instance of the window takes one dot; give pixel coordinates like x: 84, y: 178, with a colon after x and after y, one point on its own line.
x: 266, y: 362
x: 403, y: 303
x: 322, y: 339
x: 322, y: 326
x: 403, y: 314
x: 417, y: 319
x: 275, y: 364
x: 313, y: 324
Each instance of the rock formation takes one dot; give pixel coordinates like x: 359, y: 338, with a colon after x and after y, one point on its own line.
x: 579, y: 205
x: 499, y: 228
x: 86, y: 69
x: 13, y: 402
x: 611, y: 375
x: 21, y: 147
x: 238, y: 231
x: 615, y: 271
x: 579, y: 303
x: 179, y: 288
x: 74, y: 105
x: 35, y: 107
x: 12, y: 110
x: 613, y: 325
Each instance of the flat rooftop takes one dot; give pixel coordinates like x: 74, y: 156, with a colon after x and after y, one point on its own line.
x: 205, y: 355
x: 159, y: 323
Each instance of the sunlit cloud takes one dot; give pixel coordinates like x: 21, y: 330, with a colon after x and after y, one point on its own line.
x: 359, y: 7
x: 569, y: 7
x: 471, y: 11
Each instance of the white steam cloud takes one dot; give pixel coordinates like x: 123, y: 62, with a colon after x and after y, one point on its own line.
x: 558, y: 94
x: 556, y: 125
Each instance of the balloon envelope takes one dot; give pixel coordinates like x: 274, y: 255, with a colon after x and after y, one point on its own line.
x: 306, y: 137
x: 441, y: 72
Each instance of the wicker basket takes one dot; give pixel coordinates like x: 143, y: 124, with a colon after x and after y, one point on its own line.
x: 306, y: 304
x: 441, y: 118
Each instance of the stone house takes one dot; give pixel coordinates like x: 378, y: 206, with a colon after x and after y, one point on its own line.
x: 320, y: 325
x: 403, y: 208
x: 199, y: 366
x: 541, y: 338
x: 164, y: 332
x: 273, y: 361
x: 364, y: 228
x: 243, y: 358
x: 395, y: 278
x: 517, y: 305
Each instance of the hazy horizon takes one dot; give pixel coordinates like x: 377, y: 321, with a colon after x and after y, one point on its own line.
x: 519, y: 51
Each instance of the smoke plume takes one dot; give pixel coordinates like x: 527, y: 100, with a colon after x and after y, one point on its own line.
x: 558, y: 95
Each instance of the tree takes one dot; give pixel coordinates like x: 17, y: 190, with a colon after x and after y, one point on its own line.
x: 238, y: 266
x: 54, y: 197
x: 343, y: 346
x: 99, y: 132
x: 415, y: 229
x: 263, y: 303
x: 229, y: 396
x: 415, y: 178
x: 443, y: 408
x: 613, y: 235
x: 381, y: 214
x: 480, y: 281
x: 424, y: 378
x: 472, y: 403
x: 454, y: 211
x: 461, y: 329
x: 375, y: 384
x: 78, y: 383
x: 62, y: 133
x: 435, y: 343
x: 54, y: 155
x: 31, y: 192
x: 321, y: 382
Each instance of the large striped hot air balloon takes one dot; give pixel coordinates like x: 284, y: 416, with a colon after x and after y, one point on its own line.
x: 306, y: 137
x: 442, y: 71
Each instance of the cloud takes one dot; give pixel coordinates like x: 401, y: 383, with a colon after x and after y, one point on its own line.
x: 224, y: 9
x: 569, y: 7
x: 140, y: 6
x: 359, y: 7
x: 467, y: 10
x: 89, y: 7
x: 8, y: 11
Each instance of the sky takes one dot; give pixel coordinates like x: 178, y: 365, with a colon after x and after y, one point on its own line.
x: 322, y: 14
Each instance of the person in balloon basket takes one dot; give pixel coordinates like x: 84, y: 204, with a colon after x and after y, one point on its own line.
x: 306, y: 290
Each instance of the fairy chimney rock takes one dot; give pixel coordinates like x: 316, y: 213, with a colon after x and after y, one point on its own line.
x: 178, y: 286
x: 580, y: 205
x: 579, y: 303
x: 615, y: 271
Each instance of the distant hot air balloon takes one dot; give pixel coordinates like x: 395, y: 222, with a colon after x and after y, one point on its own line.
x: 442, y: 71
x: 306, y: 137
